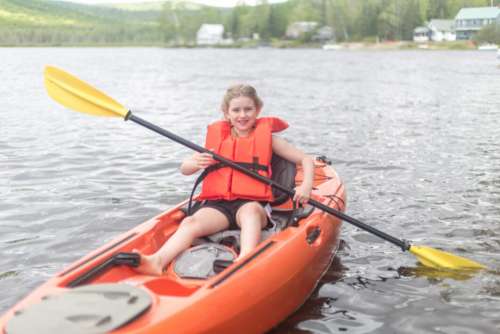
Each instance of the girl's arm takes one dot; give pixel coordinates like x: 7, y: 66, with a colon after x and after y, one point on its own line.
x: 289, y: 152
x: 197, y: 161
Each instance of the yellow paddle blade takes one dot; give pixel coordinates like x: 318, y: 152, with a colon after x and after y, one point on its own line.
x: 432, y: 273
x: 75, y: 94
x: 434, y: 258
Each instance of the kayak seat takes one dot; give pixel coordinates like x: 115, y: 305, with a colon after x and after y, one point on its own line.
x: 198, y: 262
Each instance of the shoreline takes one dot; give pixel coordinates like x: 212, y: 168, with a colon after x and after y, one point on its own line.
x: 280, y: 44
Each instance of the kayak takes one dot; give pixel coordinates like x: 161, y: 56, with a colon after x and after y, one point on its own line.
x: 202, y: 290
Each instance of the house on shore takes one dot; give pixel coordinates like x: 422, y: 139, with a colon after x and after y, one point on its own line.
x: 469, y: 21
x: 298, y: 29
x: 442, y: 30
x: 210, y: 34
x: 421, y: 34
x: 324, y: 34
x: 436, y: 31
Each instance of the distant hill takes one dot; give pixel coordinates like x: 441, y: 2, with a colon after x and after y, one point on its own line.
x: 58, y: 13
x: 39, y: 22
x: 139, y: 6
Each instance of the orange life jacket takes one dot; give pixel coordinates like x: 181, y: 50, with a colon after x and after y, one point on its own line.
x: 254, y: 152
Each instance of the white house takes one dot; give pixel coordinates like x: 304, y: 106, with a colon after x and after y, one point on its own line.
x: 210, y: 34
x: 442, y: 30
x: 421, y: 34
x: 470, y: 20
x: 325, y: 33
x: 298, y: 29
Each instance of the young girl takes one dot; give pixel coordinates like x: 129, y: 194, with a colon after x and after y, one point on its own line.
x: 234, y: 199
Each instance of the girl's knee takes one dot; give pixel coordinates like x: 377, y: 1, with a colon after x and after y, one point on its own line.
x: 252, y: 208
x: 189, y: 226
x: 250, y: 224
x: 252, y: 214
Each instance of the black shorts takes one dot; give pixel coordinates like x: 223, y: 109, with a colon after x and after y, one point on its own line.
x: 228, y: 209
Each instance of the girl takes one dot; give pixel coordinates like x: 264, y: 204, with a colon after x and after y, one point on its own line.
x: 233, y: 199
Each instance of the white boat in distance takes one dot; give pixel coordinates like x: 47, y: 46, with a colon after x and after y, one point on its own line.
x: 330, y: 47
x: 487, y: 47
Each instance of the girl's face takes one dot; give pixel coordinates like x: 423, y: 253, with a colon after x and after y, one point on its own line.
x: 242, y: 113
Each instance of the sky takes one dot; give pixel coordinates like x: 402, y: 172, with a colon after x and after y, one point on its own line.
x: 220, y: 3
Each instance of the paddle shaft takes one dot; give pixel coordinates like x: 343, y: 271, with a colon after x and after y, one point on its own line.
x: 400, y: 243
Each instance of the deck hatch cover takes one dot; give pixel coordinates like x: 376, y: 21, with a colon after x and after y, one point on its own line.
x: 98, y: 308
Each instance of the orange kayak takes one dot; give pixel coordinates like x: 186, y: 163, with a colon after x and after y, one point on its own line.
x: 102, y: 293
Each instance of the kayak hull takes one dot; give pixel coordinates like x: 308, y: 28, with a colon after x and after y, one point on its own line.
x: 252, y: 295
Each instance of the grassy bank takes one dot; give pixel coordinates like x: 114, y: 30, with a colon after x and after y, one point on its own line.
x: 275, y: 45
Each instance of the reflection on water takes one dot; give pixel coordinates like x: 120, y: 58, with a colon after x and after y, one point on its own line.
x: 413, y: 134
x: 438, y: 275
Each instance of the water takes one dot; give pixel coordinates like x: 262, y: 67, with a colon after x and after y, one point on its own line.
x: 414, y: 135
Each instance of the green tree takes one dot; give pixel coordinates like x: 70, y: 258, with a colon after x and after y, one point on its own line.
x: 410, y: 18
x: 389, y: 22
x: 488, y: 34
x: 169, y: 23
x: 438, y: 9
x: 262, y: 16
x: 369, y: 17
x: 234, y: 21
x: 277, y: 22
x: 305, y: 10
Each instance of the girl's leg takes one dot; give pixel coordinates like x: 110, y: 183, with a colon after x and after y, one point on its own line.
x: 251, y: 218
x: 204, y: 222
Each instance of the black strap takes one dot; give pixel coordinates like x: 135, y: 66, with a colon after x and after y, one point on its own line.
x: 198, y: 181
x: 255, y: 166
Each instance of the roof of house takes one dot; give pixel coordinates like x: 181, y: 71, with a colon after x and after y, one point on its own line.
x: 421, y: 30
x: 325, y: 29
x: 442, y: 25
x: 305, y: 25
x: 211, y: 28
x: 478, y: 13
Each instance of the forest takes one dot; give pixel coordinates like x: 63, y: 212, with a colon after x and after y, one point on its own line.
x: 53, y: 23
x: 39, y: 22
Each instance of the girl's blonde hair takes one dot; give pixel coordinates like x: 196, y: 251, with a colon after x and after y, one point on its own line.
x: 241, y: 90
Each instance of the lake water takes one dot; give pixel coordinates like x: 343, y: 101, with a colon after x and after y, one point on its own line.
x: 415, y: 135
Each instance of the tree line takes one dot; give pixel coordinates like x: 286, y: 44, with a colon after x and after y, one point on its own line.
x: 58, y: 23
x: 351, y: 20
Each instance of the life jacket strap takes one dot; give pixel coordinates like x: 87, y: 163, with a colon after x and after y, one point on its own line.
x: 254, y: 166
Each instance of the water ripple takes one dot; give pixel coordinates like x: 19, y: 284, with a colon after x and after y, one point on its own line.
x: 414, y: 135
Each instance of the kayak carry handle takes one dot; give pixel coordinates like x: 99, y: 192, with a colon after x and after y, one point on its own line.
x: 126, y: 259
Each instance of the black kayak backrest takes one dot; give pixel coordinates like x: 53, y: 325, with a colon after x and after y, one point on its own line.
x: 283, y: 172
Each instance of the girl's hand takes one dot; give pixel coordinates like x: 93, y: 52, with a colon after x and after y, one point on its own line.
x: 302, y: 194
x: 203, y: 160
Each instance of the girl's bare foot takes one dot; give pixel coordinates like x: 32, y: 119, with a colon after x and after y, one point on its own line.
x: 149, y: 265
